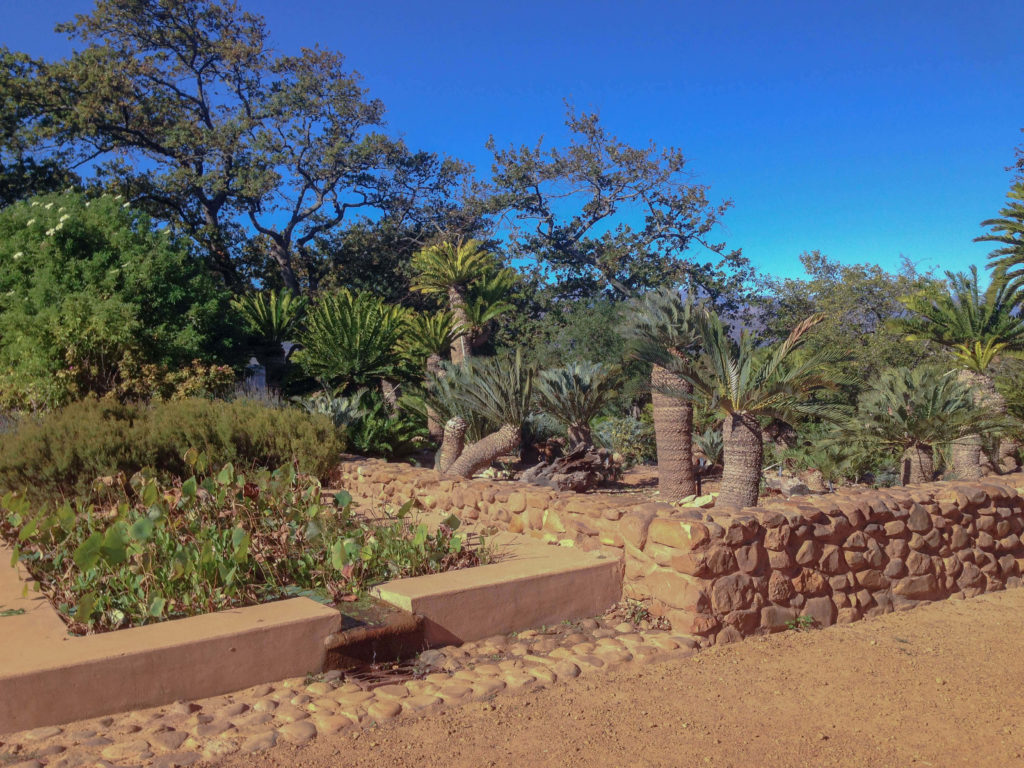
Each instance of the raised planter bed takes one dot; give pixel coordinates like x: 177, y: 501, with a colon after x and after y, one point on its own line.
x: 48, y: 677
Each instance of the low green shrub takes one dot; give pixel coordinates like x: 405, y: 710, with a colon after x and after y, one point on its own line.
x: 633, y: 439
x: 62, y: 453
x: 210, y: 542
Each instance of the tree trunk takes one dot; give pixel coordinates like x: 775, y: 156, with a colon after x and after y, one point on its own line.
x: 452, y: 443
x: 918, y: 464
x: 742, y: 454
x: 434, y: 427
x: 579, y: 434
x: 483, y: 452
x: 461, y: 347
x: 673, y: 435
x: 284, y: 263
x: 389, y: 392
x: 967, y: 450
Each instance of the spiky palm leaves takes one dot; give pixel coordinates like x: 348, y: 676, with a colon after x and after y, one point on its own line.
x: 659, y: 324
x: 575, y: 395
x: 428, y: 338
x: 455, y: 271
x: 976, y: 326
x: 354, y: 340
x: 496, y: 395
x: 274, y: 318
x: 1008, y: 231
x: 912, y: 411
x: 744, y: 384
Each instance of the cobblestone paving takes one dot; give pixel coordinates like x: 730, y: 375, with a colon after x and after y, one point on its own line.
x: 298, y: 710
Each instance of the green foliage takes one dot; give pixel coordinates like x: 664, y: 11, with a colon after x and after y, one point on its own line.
x: 493, y: 391
x: 924, y: 405
x: 856, y: 303
x: 93, y: 299
x: 371, y: 429
x: 64, y: 452
x: 448, y: 265
x: 353, y: 340
x: 576, y: 394
x: 1007, y: 231
x: 633, y: 439
x: 273, y: 317
x: 975, y: 326
x: 709, y: 442
x: 213, y: 541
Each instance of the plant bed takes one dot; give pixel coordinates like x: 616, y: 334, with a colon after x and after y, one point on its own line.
x: 212, y: 542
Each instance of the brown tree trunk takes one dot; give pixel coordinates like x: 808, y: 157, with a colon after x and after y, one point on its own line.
x: 434, y: 427
x: 918, y: 464
x: 967, y: 450
x: 483, y: 452
x: 742, y: 455
x: 452, y: 443
x: 284, y: 263
x: 389, y: 392
x: 461, y: 347
x: 673, y: 435
x: 579, y: 434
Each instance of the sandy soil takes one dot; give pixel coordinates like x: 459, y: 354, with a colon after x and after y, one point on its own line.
x: 937, y: 686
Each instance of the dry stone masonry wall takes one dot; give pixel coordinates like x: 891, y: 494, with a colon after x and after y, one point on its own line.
x: 834, y: 558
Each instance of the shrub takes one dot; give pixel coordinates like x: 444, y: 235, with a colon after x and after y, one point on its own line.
x: 633, y: 439
x: 93, y: 299
x: 62, y: 453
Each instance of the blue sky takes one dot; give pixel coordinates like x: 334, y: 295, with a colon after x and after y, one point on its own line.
x: 867, y: 130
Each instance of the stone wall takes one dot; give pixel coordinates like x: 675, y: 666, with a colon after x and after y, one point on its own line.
x: 834, y: 558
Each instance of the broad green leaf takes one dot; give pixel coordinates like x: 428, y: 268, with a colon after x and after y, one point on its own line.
x: 339, y: 557
x: 189, y: 488
x: 150, y: 493
x: 343, y: 499
x: 156, y: 607
x: 86, y: 607
x: 452, y: 522
x: 113, y: 549
x: 66, y: 516
x: 87, y: 555
x: 405, y: 509
x: 142, y: 529
x: 227, y: 474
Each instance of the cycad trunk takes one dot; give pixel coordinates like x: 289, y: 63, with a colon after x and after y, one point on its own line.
x: 579, y: 434
x: 742, y: 455
x: 452, y: 443
x: 673, y: 435
x: 918, y: 464
x: 967, y: 450
x: 461, y: 348
x: 389, y: 392
x: 434, y: 427
x: 483, y: 452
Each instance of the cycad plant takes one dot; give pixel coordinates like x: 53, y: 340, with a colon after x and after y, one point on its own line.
x: 353, y: 340
x: 494, y: 392
x: 659, y: 327
x: 1007, y: 230
x: 745, y: 384
x: 576, y: 394
x: 977, y: 327
x: 428, y: 338
x: 912, y: 411
x: 273, y: 318
x: 454, y: 270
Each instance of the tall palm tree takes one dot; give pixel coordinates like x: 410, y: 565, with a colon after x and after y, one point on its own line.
x: 913, y: 411
x: 745, y: 384
x: 977, y: 327
x: 275, y: 319
x: 575, y: 394
x: 453, y: 270
x: 429, y: 337
x: 657, y: 324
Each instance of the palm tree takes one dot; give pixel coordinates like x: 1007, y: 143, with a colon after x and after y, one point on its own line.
x: 429, y: 337
x: 275, y: 319
x: 977, y: 327
x: 487, y: 302
x: 744, y: 384
x: 1008, y: 232
x: 453, y: 270
x: 575, y: 395
x: 354, y: 340
x: 494, y: 394
x: 912, y: 411
x: 660, y: 324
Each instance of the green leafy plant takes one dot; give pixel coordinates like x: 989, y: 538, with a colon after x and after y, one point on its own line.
x: 801, y: 623
x: 213, y: 541
x: 633, y: 439
x: 575, y: 394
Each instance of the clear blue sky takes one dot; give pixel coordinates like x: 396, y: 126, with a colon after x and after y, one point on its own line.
x: 866, y: 130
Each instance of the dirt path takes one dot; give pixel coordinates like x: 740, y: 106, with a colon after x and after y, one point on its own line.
x: 942, y: 685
